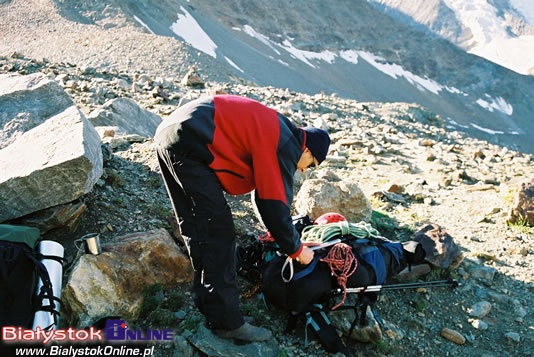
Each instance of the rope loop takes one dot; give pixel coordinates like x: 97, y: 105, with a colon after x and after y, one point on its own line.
x: 343, y: 264
x: 324, y: 233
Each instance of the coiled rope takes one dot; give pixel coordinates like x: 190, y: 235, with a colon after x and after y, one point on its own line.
x: 325, y: 232
x: 342, y: 264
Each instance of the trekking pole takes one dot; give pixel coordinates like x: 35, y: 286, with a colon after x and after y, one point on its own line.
x: 378, y: 288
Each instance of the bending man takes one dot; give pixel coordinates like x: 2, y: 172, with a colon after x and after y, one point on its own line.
x: 233, y: 144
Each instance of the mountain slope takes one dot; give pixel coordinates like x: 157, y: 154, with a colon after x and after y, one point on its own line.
x: 344, y: 47
x: 501, y: 31
x: 350, y: 48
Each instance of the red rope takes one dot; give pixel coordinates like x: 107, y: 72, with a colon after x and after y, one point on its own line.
x: 343, y: 264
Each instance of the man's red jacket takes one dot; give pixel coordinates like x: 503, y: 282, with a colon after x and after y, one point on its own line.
x: 249, y: 147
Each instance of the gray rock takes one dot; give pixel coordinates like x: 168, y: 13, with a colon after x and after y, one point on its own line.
x: 522, y: 210
x: 129, y: 117
x: 480, y: 309
x: 53, y: 163
x: 479, y: 324
x: 211, y: 345
x: 440, y: 248
x: 111, y: 283
x: 182, y: 348
x: 318, y: 196
x: 513, y: 336
x: 520, y: 313
x: 483, y: 272
x: 343, y: 319
x: 63, y: 216
x: 26, y: 102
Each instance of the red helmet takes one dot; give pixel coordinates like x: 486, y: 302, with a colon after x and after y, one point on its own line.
x: 330, y: 217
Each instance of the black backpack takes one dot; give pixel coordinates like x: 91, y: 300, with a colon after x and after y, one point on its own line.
x: 310, y: 292
x: 20, y: 270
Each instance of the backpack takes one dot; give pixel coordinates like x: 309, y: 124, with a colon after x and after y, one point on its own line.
x: 20, y: 271
x: 312, y: 288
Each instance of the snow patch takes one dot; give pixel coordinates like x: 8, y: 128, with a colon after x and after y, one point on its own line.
x: 454, y: 123
x: 496, y: 104
x: 262, y: 38
x: 233, y: 64
x: 491, y: 40
x: 394, y: 71
x: 304, y: 56
x: 187, y: 28
x: 486, y: 130
x: 143, y: 24
x: 284, y: 63
x: 349, y: 56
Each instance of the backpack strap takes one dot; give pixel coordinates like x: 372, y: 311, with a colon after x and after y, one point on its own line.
x: 309, y: 268
x: 46, y: 290
x: 326, y: 332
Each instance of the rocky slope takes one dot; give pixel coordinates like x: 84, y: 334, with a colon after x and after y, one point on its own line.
x: 463, y: 184
x: 308, y: 48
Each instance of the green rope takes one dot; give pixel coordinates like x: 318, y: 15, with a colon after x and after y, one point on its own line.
x: 325, y: 232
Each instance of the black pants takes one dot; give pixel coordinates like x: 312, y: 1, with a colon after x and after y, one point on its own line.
x: 208, y: 230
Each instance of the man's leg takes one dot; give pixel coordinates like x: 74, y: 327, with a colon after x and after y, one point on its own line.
x: 208, y: 230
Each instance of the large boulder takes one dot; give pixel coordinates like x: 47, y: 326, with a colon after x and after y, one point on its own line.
x: 26, y: 102
x: 522, y: 210
x: 111, y: 284
x: 318, y: 196
x: 53, y: 163
x: 127, y: 116
x: 440, y: 249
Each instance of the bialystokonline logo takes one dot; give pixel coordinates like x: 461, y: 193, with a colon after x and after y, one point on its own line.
x: 115, y: 330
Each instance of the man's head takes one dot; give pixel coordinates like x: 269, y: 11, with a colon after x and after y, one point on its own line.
x: 317, y: 143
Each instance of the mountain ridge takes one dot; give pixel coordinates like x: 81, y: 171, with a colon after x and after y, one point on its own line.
x: 291, y: 45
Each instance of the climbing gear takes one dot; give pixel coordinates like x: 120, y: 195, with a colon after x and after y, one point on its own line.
x: 323, y: 233
x: 348, y: 255
x: 343, y: 264
x: 309, y: 267
x: 330, y: 217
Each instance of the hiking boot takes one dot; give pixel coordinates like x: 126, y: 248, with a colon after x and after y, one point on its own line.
x: 246, y: 332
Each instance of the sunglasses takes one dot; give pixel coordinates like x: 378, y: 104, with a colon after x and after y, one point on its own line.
x: 314, y: 163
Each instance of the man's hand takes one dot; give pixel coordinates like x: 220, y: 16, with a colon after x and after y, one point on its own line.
x: 306, y: 256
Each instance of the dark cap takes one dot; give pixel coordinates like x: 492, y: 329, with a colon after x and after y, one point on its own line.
x: 318, y: 141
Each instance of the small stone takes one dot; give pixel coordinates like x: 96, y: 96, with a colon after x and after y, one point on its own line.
x: 453, y: 336
x: 520, y: 313
x: 394, y: 188
x: 479, y: 324
x: 427, y: 142
x: 480, y: 309
x: 391, y: 334
x: 180, y: 314
x: 483, y: 272
x: 513, y: 336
